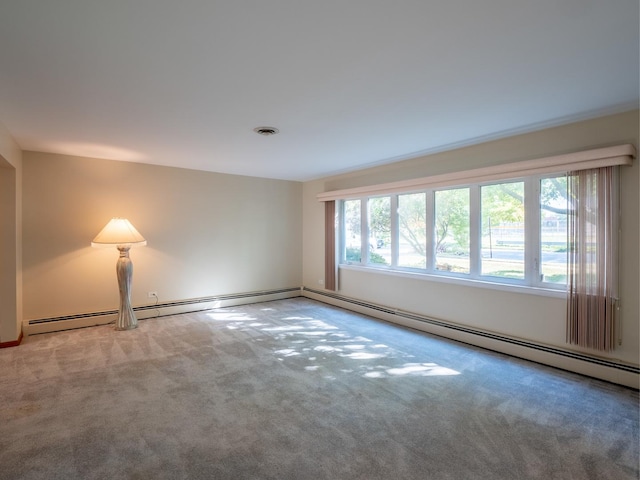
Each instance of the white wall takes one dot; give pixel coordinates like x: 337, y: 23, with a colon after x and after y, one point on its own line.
x: 10, y: 238
x: 208, y: 234
x: 520, y: 315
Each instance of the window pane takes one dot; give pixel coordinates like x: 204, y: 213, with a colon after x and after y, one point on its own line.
x: 452, y: 230
x: 379, y: 230
x: 553, y: 229
x: 502, y: 227
x: 412, y: 229
x: 352, y: 216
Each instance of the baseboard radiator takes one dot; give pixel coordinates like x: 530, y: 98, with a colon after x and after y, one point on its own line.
x: 67, y: 322
x: 597, y: 367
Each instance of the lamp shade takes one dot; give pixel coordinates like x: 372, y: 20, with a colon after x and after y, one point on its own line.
x: 118, y: 231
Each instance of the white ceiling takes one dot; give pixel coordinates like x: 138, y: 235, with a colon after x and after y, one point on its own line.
x: 349, y: 83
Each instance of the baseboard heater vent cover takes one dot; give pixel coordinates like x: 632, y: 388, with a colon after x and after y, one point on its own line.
x: 513, y: 341
x: 179, y: 303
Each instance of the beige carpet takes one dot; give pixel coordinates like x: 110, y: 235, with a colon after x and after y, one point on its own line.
x: 295, y: 389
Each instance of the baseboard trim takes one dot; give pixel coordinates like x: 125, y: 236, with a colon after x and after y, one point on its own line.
x: 593, y: 366
x: 14, y: 343
x: 143, y: 312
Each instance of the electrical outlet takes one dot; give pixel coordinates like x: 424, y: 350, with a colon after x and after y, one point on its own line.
x: 321, y: 282
x: 152, y: 294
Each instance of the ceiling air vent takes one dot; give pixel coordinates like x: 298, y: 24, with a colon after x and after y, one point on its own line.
x: 266, y: 131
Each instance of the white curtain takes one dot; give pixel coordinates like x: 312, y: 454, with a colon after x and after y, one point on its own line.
x: 592, y: 264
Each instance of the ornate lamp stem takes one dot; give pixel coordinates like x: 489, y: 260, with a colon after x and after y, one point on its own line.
x: 124, y: 269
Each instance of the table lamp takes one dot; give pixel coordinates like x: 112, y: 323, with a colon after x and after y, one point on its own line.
x: 123, y: 235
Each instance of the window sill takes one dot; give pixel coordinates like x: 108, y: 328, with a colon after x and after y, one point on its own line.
x: 467, y: 282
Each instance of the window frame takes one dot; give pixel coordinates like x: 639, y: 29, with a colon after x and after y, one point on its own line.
x: 532, y: 280
x: 529, y: 239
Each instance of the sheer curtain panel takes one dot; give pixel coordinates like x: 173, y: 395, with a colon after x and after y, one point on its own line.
x: 592, y: 261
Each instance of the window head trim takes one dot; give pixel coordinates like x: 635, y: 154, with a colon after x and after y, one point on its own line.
x: 583, y: 160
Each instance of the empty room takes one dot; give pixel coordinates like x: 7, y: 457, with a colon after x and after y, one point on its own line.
x: 319, y: 240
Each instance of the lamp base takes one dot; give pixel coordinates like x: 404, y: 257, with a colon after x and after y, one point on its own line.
x: 126, y: 321
x: 124, y: 268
